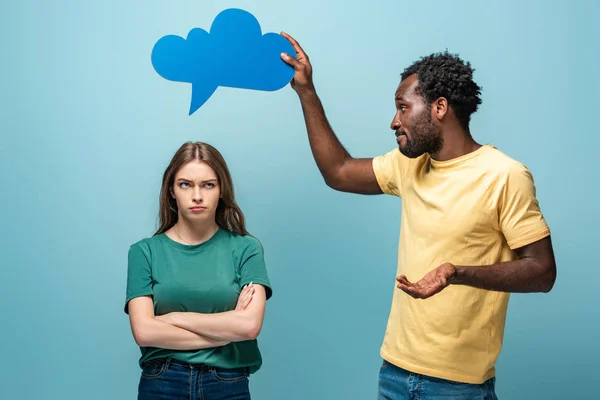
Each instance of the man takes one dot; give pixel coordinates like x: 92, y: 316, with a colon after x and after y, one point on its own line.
x: 471, y: 231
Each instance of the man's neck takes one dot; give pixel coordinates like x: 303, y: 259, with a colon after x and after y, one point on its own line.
x: 457, y: 142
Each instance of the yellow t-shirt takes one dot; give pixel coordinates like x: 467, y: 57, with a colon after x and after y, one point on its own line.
x: 469, y: 211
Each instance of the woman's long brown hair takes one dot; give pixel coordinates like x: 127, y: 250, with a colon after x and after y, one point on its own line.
x: 228, y: 216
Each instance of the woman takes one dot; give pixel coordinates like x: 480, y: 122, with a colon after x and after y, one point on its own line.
x: 197, y: 289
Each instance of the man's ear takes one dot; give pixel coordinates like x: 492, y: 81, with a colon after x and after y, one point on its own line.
x: 439, y: 108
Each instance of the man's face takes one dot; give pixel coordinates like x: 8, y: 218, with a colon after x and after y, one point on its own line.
x: 416, y: 131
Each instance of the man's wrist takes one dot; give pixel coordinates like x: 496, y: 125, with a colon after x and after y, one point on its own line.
x: 460, y: 275
x: 307, y: 93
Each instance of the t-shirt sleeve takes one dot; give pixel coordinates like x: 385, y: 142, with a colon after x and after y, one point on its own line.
x: 521, y: 219
x: 252, y: 266
x: 139, y: 274
x: 390, y: 169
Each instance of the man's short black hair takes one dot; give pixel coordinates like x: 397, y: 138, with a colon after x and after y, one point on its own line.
x: 446, y: 75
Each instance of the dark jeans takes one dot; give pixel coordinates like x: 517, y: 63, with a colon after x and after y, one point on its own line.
x: 398, y: 384
x: 171, y: 379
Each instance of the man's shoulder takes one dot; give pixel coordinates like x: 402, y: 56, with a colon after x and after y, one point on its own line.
x: 497, y: 161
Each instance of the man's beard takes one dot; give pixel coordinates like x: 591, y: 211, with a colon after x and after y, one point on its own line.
x: 424, y: 138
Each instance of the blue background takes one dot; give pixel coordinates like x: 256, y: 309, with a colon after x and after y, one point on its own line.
x: 88, y: 127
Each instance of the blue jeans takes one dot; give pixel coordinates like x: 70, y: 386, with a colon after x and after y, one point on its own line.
x: 398, y: 384
x: 171, y: 379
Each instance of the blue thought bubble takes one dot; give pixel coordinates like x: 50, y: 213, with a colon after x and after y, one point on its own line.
x: 234, y: 54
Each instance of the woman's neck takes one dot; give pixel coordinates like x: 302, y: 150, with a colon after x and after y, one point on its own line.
x: 193, y: 233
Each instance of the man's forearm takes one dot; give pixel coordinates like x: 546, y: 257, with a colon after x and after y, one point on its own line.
x: 327, y: 150
x: 520, y: 276
x: 232, y: 326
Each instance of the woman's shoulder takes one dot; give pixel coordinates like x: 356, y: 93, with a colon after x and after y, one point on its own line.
x: 240, y: 241
x: 146, y: 244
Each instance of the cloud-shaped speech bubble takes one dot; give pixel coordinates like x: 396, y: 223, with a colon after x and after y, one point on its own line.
x: 234, y: 54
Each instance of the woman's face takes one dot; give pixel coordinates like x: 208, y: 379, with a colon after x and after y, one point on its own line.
x: 196, y: 191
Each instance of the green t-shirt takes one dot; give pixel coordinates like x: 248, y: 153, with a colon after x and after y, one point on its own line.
x: 204, y: 278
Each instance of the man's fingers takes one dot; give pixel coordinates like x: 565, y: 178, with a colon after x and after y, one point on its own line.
x: 406, y: 286
x: 290, y: 39
x: 295, y: 45
x: 410, y: 290
x: 423, y: 288
x: 418, y: 290
x: 403, y: 279
x: 291, y: 61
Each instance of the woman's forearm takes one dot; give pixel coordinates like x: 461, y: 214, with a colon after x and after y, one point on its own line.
x: 231, y: 326
x: 156, y: 333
